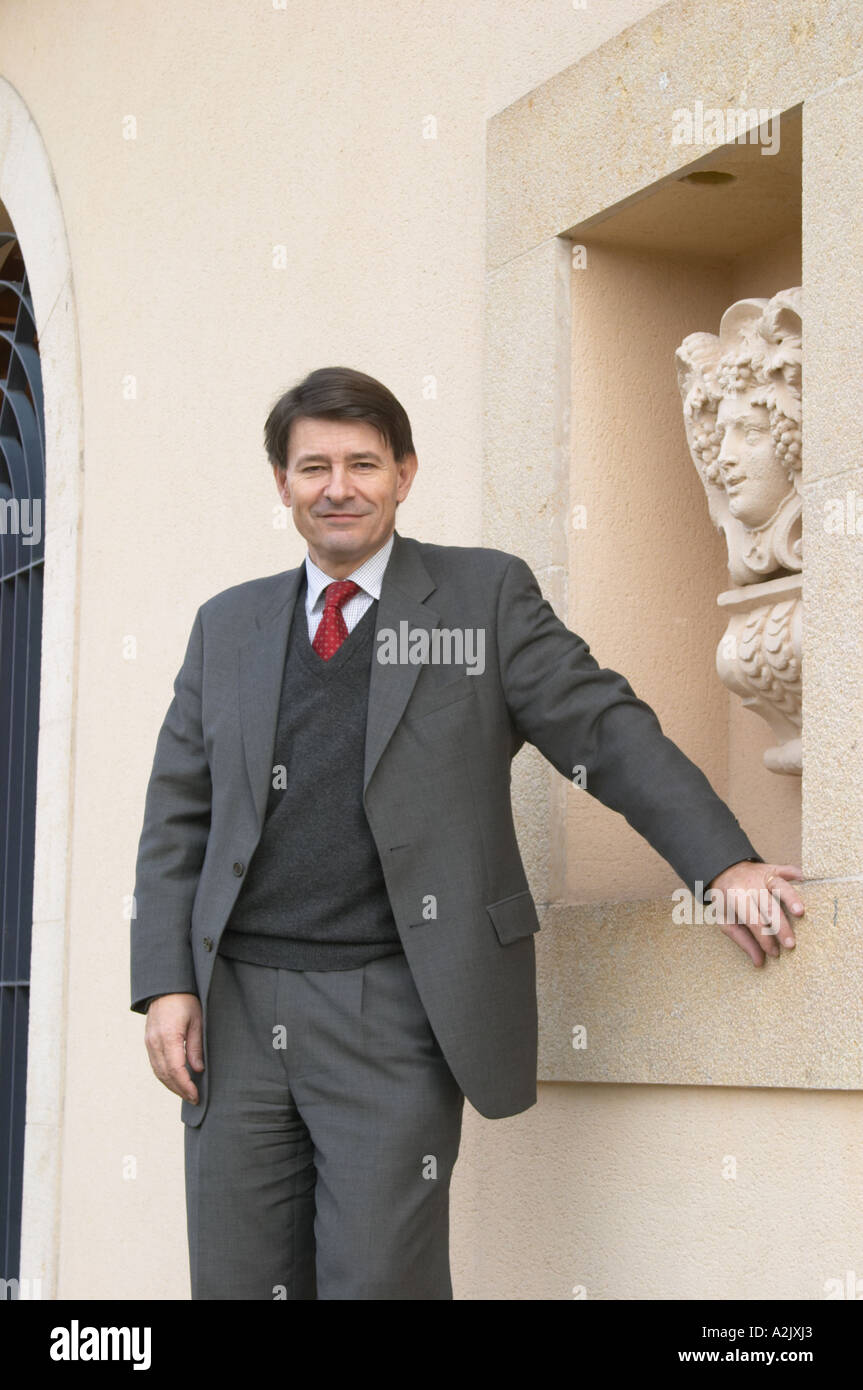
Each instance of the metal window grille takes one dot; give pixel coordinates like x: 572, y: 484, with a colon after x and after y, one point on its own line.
x: 22, y: 529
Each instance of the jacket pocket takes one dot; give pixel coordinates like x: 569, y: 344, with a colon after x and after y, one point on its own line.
x: 514, y: 917
x: 427, y: 701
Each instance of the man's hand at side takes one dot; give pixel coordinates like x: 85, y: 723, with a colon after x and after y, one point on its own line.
x: 174, y: 1035
x: 752, y: 898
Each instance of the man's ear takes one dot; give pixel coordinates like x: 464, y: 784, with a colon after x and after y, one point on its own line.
x: 281, y: 477
x: 407, y: 472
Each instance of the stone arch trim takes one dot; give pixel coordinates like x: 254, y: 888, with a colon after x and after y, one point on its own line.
x: 31, y: 198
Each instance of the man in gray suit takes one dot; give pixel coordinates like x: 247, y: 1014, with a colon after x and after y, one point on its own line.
x: 333, y: 930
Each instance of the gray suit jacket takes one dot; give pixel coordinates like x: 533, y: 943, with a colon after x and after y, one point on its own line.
x: 438, y: 749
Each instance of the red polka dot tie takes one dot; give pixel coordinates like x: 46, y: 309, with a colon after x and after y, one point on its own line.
x: 332, y: 629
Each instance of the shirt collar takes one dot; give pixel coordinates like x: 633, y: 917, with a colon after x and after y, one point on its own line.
x: 369, y: 575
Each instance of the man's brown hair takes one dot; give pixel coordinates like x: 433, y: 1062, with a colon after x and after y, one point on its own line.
x: 338, y: 393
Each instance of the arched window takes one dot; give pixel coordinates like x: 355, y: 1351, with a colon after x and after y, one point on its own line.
x: 22, y: 530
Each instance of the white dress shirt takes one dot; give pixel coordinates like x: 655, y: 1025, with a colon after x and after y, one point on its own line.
x: 369, y: 576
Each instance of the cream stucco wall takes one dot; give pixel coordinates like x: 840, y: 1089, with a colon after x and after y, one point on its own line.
x: 258, y: 127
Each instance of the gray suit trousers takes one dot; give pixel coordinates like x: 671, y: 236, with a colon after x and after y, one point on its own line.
x: 322, y: 1166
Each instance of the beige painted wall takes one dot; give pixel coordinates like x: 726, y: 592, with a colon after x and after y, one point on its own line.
x: 259, y: 127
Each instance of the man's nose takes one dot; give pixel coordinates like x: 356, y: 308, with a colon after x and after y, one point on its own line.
x: 339, y: 484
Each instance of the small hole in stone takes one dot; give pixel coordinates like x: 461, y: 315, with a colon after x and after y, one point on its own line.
x: 710, y: 176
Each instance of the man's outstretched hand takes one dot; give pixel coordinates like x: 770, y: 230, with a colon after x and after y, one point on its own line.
x: 174, y: 1035
x: 752, y: 906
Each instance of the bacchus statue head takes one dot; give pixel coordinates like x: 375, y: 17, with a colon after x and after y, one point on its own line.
x: 741, y: 393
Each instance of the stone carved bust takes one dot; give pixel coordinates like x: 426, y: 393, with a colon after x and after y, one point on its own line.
x: 742, y: 408
x: 741, y: 393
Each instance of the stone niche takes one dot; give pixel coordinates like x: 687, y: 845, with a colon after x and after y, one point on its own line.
x: 609, y: 243
x: 649, y: 580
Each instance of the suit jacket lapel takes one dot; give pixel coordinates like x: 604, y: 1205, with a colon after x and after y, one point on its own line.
x: 406, y: 583
x: 261, y: 662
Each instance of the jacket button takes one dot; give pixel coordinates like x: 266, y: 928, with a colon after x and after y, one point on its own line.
x: 238, y: 869
x: 208, y: 945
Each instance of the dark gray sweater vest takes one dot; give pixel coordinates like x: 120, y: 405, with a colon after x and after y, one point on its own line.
x: 314, y: 896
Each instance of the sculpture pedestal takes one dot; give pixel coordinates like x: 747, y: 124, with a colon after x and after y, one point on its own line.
x: 759, y: 657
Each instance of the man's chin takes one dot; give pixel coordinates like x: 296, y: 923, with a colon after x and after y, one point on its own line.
x: 343, y: 540
x: 343, y: 543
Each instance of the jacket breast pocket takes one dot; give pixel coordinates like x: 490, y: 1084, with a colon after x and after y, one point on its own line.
x: 440, y: 697
x: 514, y: 917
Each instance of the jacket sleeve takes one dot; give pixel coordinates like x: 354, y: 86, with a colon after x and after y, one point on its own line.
x: 173, y: 842
x: 578, y: 713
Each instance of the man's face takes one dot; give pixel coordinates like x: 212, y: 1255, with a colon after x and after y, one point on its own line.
x: 342, y: 485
